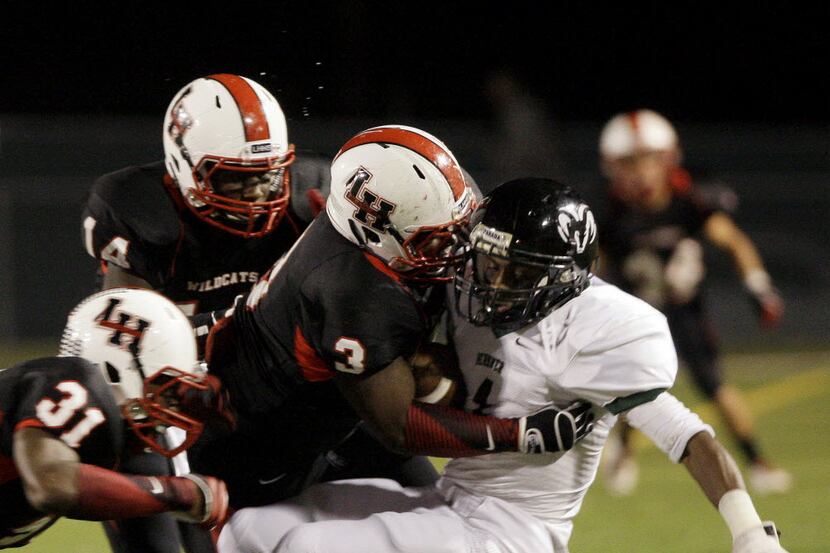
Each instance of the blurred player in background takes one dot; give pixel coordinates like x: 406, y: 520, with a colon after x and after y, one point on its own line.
x: 325, y: 339
x: 203, y: 225
x: 127, y: 371
x: 653, y: 229
x: 534, y: 329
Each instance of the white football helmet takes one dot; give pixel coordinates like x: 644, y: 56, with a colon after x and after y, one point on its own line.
x: 400, y: 193
x: 643, y: 130
x: 227, y: 127
x: 145, y: 348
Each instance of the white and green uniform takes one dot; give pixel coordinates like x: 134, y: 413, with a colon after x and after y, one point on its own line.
x: 605, y: 346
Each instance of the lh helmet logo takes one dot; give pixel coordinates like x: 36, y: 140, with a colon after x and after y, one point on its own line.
x: 372, y: 210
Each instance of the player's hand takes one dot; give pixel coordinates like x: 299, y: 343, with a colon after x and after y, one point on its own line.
x: 437, y: 377
x: 211, y: 506
x: 770, y: 308
x: 551, y: 430
x: 765, y: 298
x: 756, y: 540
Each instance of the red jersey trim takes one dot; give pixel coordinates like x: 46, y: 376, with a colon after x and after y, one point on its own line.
x: 29, y: 423
x: 313, y: 367
x: 381, y: 266
x: 8, y: 470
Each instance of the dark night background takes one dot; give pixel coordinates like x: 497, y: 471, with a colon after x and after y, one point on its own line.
x: 83, y: 93
x: 694, y: 61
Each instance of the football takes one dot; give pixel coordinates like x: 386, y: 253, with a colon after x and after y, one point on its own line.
x: 437, y: 377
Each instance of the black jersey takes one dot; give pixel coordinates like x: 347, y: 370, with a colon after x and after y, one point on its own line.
x: 135, y: 218
x: 328, y: 307
x: 68, y: 398
x: 657, y: 256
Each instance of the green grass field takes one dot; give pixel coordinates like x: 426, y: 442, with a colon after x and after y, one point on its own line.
x: 789, y: 391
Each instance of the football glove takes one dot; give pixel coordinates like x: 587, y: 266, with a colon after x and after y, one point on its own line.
x: 212, y: 510
x: 551, y: 429
x: 759, y: 539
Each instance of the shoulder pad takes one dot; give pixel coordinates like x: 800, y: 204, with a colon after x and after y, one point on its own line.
x: 136, y: 202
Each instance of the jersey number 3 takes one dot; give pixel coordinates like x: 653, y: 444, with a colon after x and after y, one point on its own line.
x: 56, y: 414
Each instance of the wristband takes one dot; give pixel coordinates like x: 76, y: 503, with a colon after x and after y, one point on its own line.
x: 208, y: 499
x: 736, y: 508
x: 758, y: 281
x: 438, y: 393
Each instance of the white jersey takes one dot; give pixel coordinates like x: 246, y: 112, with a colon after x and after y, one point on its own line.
x: 606, y: 347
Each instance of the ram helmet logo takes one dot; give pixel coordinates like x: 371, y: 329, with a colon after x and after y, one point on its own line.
x: 576, y: 225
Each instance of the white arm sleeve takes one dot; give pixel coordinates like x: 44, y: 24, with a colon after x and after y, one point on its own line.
x: 668, y: 423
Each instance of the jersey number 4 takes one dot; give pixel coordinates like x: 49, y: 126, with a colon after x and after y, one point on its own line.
x: 56, y: 414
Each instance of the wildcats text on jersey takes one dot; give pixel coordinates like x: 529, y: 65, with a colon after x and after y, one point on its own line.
x: 227, y: 279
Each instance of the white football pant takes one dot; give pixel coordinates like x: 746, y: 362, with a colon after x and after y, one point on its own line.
x: 380, y: 516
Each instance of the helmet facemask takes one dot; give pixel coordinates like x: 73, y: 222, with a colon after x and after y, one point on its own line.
x: 431, y: 254
x: 507, y: 293
x: 159, y: 408
x: 242, y: 217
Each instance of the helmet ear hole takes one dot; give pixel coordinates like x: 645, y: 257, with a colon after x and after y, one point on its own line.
x: 357, y: 233
x: 112, y: 372
x: 371, y: 237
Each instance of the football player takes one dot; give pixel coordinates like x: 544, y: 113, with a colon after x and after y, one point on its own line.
x: 127, y: 372
x: 202, y: 226
x: 533, y: 328
x: 324, y: 339
x: 230, y: 196
x: 653, y: 232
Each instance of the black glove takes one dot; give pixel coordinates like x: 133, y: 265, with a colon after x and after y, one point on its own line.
x: 552, y: 429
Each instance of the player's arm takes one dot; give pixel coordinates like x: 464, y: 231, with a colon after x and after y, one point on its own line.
x: 718, y: 476
x: 55, y: 481
x: 385, y: 401
x: 684, y: 437
x: 722, y: 231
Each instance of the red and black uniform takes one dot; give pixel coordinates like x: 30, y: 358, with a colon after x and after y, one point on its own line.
x: 647, y: 252
x: 135, y: 218
x: 68, y: 398
x: 328, y: 309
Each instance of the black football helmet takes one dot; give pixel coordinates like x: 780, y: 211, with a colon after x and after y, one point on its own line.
x: 532, y: 247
